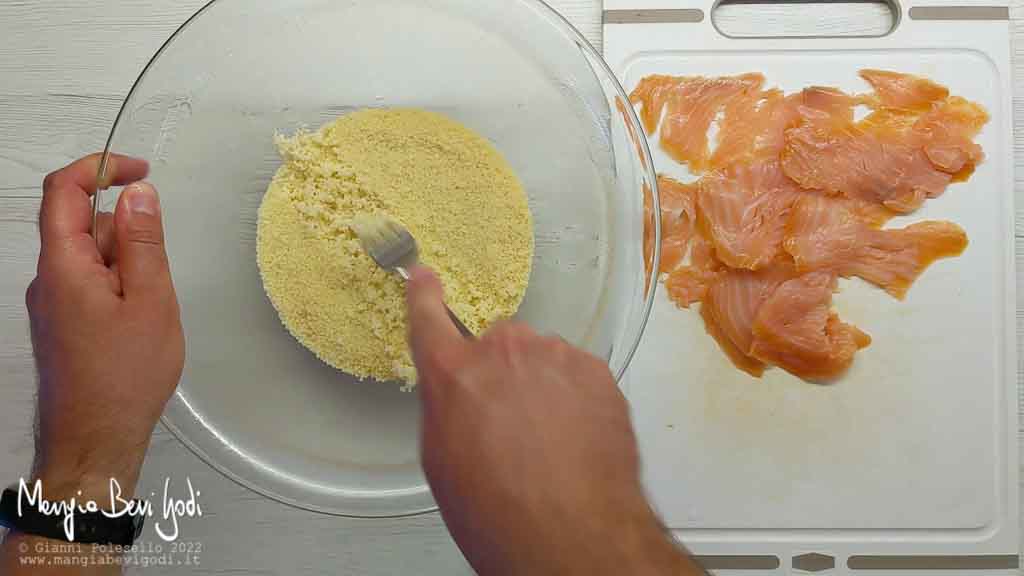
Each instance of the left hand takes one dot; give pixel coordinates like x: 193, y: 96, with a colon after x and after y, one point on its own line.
x: 105, y: 329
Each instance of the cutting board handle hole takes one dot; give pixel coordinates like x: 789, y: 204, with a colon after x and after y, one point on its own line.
x: 806, y: 19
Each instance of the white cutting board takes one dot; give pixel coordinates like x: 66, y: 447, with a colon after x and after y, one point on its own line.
x: 914, y: 451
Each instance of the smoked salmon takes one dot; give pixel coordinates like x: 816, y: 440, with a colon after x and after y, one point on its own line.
x: 690, y: 105
x: 782, y: 318
x: 917, y: 141
x: 822, y: 235
x: 730, y: 307
x: 905, y: 91
x: 689, y: 284
x: 752, y: 128
x: 869, y: 161
x: 744, y: 210
x: 795, y: 328
x: 946, y: 134
x: 678, y: 220
x: 795, y: 194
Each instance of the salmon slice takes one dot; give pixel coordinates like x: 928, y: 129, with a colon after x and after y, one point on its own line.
x: 753, y: 125
x: 744, y: 211
x: 946, y: 133
x: 795, y: 330
x: 740, y: 359
x: 825, y: 235
x: 690, y: 105
x: 652, y: 94
x: 686, y: 286
x: 678, y: 219
x: 871, y: 214
x: 917, y: 141
x: 689, y: 284
x: 684, y: 132
x: 905, y: 91
x: 869, y: 161
x: 753, y: 128
x: 777, y: 317
x: 889, y: 119
x: 744, y: 118
x: 825, y: 102
x: 730, y: 308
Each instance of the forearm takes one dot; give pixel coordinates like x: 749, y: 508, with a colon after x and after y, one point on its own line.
x: 109, y: 347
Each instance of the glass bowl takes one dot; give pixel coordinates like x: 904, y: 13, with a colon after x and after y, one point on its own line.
x: 255, y: 404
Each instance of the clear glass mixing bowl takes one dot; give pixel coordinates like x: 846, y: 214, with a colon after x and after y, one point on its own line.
x: 252, y: 402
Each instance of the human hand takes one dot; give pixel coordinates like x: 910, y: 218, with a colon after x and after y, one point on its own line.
x: 105, y: 329
x: 530, y: 453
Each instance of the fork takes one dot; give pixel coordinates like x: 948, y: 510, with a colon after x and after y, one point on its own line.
x: 394, y: 249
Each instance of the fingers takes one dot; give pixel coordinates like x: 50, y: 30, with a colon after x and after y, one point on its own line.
x: 141, y: 257
x: 66, y: 208
x: 432, y: 335
x: 84, y: 172
x: 106, y: 237
x: 509, y: 330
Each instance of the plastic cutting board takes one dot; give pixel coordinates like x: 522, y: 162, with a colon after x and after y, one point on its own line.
x: 914, y: 451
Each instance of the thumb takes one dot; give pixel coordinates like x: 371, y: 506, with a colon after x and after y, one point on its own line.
x: 432, y: 335
x: 141, y: 258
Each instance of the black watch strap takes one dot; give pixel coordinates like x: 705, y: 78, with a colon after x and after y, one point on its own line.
x: 90, y: 527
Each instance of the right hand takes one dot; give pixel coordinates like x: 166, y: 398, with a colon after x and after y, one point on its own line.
x: 528, y: 447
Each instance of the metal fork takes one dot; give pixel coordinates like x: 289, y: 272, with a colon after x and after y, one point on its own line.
x: 394, y: 249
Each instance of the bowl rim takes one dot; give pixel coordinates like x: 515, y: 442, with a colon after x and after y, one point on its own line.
x: 647, y: 162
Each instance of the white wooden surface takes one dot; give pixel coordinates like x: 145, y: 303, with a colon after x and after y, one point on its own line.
x: 65, y: 66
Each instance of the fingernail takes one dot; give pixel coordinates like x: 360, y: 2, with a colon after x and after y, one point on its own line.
x: 142, y: 199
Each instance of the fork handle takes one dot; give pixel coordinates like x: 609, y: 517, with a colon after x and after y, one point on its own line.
x: 458, y: 324
x: 466, y: 332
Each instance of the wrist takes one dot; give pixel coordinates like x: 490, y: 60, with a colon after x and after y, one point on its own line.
x: 101, y: 488
x: 88, y: 475
x: 644, y: 545
x: 640, y: 544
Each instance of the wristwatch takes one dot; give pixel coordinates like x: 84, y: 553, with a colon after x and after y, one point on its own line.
x: 90, y: 527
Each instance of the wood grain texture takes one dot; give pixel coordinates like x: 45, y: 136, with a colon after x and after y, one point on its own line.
x: 65, y: 65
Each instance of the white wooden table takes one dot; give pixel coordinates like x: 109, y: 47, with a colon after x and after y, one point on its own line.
x: 65, y: 66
